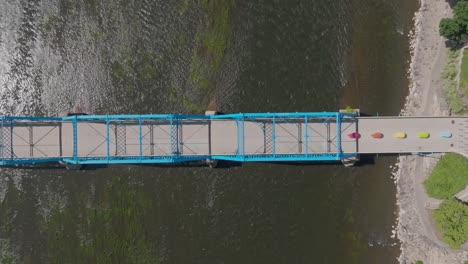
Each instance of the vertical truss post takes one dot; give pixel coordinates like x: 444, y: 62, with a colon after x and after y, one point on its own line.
x: 339, y: 151
x: 108, y: 137
x: 240, y: 138
x: 75, y: 138
x: 174, y: 137
x: 273, y: 137
x: 171, y: 143
x: 306, y: 136
x: 151, y: 129
x: 3, y: 139
x: 31, y: 140
x: 140, y: 137
x: 12, y: 151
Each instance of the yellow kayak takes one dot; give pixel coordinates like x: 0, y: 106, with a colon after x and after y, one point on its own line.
x: 400, y: 135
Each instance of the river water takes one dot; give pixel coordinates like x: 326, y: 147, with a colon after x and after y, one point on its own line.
x: 157, y: 56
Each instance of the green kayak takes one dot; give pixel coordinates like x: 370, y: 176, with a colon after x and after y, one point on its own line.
x: 423, y: 135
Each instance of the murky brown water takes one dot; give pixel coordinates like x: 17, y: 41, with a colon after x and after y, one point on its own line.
x: 159, y: 56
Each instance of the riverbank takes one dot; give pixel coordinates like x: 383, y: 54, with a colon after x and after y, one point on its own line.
x: 419, y: 237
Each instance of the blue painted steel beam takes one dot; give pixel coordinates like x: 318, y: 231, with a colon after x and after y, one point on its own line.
x: 338, y: 136
x: 136, y: 160
x: 240, y: 137
x: 108, y: 138
x: 75, y: 138
x: 140, y: 137
x: 2, y: 140
x: 273, y: 136
x: 30, y: 118
x: 21, y: 161
x: 134, y: 117
x: 283, y: 115
x: 169, y: 116
x: 11, y: 154
x: 284, y: 157
x: 306, y: 136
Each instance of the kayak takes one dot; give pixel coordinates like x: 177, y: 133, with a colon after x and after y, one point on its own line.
x: 423, y: 135
x: 445, y: 134
x: 400, y: 135
x: 354, y: 135
x: 377, y: 135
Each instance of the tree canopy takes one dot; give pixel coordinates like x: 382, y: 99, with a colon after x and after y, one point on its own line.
x: 456, y: 28
x: 461, y: 13
x: 452, y: 219
x: 450, y: 29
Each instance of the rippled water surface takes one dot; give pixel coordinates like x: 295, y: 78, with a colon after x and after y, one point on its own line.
x: 153, y: 56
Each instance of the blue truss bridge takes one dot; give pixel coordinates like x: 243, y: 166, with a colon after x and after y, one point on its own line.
x: 242, y: 137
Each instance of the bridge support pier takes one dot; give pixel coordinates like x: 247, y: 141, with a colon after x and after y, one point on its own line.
x: 69, y: 166
x: 211, y: 163
x: 350, y: 162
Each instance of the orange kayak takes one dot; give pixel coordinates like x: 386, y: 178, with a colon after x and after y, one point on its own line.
x: 377, y: 135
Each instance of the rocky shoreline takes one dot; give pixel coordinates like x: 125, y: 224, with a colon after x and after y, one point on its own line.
x: 415, y: 230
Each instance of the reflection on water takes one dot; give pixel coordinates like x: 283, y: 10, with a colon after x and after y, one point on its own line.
x: 181, y: 56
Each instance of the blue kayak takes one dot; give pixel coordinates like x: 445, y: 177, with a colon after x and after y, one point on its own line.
x: 445, y: 134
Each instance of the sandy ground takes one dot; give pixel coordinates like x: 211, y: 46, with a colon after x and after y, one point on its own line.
x: 418, y: 236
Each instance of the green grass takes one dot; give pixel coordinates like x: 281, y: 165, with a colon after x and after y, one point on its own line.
x: 451, y: 91
x: 464, y: 73
x: 418, y: 262
x: 452, y: 218
x: 448, y: 177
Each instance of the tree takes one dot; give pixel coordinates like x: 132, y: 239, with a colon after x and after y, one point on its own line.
x: 450, y: 29
x: 456, y: 28
x: 460, y: 14
x: 452, y: 218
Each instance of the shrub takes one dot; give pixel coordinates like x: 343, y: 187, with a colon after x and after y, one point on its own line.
x: 349, y: 109
x: 452, y: 219
x: 464, y: 74
x: 451, y: 91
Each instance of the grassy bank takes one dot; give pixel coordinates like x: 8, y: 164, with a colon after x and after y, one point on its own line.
x: 448, y: 178
x: 452, y: 93
x: 464, y: 74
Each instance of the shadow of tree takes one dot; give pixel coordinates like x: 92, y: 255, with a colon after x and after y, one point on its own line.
x: 452, y: 3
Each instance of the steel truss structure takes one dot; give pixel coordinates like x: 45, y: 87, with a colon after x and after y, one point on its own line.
x: 173, y: 138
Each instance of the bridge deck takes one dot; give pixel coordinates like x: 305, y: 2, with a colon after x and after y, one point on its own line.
x: 193, y: 137
x: 412, y: 126
x: 242, y: 137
